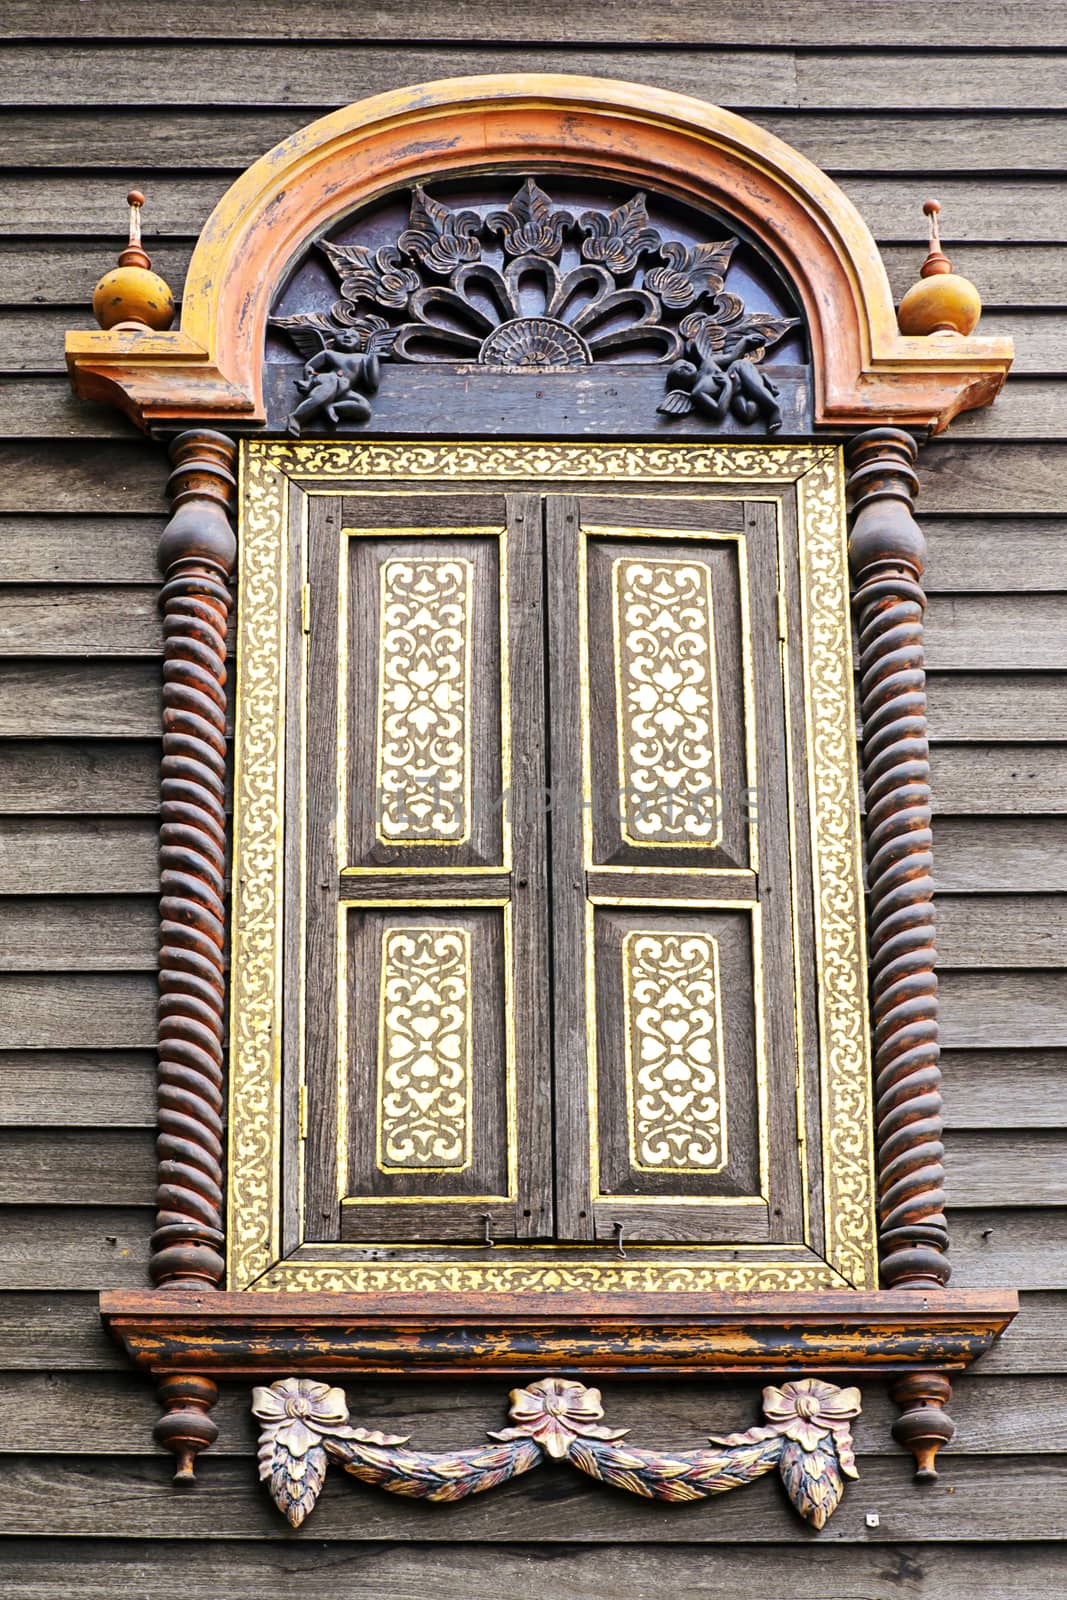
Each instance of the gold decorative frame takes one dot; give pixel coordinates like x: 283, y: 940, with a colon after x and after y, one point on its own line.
x: 270, y: 472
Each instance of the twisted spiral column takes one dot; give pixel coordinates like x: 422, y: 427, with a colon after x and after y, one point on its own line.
x: 196, y: 555
x: 887, y: 554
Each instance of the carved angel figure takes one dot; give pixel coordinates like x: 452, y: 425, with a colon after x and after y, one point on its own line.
x: 722, y: 377
x: 341, y: 369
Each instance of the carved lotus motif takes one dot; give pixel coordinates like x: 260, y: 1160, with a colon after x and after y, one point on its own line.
x: 531, y: 225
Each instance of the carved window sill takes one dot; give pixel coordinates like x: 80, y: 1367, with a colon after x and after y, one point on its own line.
x: 265, y: 1334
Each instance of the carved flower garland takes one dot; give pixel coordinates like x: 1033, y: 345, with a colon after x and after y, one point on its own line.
x: 305, y: 1424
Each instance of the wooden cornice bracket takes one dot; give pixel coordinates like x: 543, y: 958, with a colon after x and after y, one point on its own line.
x: 228, y: 1335
x: 155, y: 378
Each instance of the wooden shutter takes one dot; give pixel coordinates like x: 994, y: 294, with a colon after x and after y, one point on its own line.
x: 679, y: 1086
x: 426, y: 995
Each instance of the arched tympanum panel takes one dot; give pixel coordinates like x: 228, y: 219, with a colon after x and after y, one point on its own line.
x: 864, y: 369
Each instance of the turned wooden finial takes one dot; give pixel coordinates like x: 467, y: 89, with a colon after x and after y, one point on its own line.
x: 942, y: 301
x: 131, y: 294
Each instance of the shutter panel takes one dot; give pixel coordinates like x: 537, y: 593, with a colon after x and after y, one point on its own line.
x: 427, y: 951
x: 677, y: 1070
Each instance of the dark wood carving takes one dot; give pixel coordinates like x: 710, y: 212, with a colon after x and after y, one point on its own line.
x: 605, y: 283
x: 887, y: 553
x: 304, y: 1425
x: 196, y: 556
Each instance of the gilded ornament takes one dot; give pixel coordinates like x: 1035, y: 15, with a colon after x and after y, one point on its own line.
x: 425, y: 1050
x: 667, y: 710
x: 675, y: 1075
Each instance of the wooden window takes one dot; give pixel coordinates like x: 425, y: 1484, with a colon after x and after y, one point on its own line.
x: 553, y: 974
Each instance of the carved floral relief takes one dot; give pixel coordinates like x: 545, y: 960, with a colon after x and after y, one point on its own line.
x: 304, y: 1425
x: 534, y: 286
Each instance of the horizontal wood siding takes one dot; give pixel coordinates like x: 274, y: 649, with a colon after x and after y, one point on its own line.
x: 896, y: 102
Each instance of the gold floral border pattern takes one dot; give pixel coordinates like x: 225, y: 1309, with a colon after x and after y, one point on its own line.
x: 255, y: 1139
x: 840, y: 941
x: 522, y: 1277
x: 253, y: 1223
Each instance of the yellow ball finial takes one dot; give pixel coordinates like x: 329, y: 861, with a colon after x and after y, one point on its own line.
x: 131, y: 295
x: 941, y: 301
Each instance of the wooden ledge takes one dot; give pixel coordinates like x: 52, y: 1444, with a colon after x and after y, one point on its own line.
x: 682, y: 1335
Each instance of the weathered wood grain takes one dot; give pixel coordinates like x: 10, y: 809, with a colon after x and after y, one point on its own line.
x: 880, y: 1569
x: 1001, y: 931
x: 976, y: 554
x: 80, y: 933
x: 33, y: 338
x: 995, y: 1010
x: 66, y: 1492
x: 78, y: 855
x: 110, y: 933
x: 996, y: 706
x: 228, y: 73
x: 1000, y: 854
x: 41, y: 1331
x: 63, y: 1011
x: 55, y: 1331
x: 65, y: 778
x: 116, y: 1167
x: 1007, y: 1168
x: 1029, y: 210
x: 76, y: 1248
x: 95, y: 1167
x: 90, y: 699
x: 113, y: 550
x: 833, y: 24
x: 984, y: 780
x: 1004, y: 1088
x: 40, y: 404
x: 1008, y: 1248
x: 78, y: 1088
x: 963, y: 632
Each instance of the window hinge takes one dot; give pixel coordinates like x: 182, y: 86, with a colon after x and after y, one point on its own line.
x: 302, y: 1113
x: 783, y: 614
x: 305, y: 608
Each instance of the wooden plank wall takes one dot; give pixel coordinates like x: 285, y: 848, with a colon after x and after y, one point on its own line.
x: 895, y: 101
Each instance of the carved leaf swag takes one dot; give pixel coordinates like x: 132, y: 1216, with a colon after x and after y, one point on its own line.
x: 531, y: 312
x: 305, y: 1426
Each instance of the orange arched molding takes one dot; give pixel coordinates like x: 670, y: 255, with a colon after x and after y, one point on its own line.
x: 209, y: 370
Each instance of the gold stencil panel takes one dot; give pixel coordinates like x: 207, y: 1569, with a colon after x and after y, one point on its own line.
x: 666, y: 702
x: 424, y: 692
x: 424, y: 1050
x: 675, y: 1078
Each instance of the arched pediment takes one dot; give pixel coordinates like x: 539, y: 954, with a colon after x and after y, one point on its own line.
x: 863, y: 368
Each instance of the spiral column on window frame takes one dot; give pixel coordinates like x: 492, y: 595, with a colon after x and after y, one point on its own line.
x: 887, y: 556
x: 196, y: 556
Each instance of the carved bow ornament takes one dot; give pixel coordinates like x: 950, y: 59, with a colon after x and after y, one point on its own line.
x: 532, y: 286
x: 305, y: 1426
